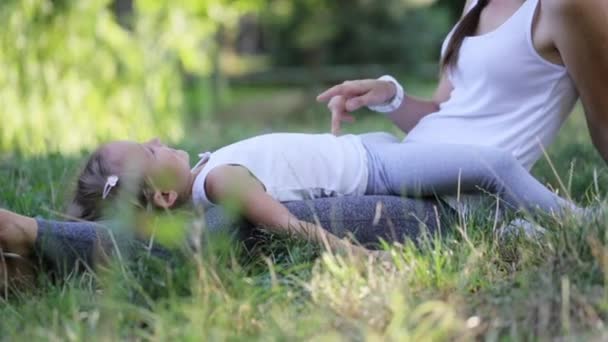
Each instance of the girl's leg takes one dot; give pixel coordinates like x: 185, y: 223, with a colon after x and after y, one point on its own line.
x: 444, y: 169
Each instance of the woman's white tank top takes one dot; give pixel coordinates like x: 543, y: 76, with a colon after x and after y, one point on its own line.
x: 505, y: 94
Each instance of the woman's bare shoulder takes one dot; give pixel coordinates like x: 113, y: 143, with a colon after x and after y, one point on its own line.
x: 574, y: 17
x: 571, y: 7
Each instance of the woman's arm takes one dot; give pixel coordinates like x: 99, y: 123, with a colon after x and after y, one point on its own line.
x: 413, y: 109
x: 351, y: 96
x: 235, y: 186
x: 581, y: 37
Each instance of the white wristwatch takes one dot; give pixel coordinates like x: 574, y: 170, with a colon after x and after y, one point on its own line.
x: 394, y: 103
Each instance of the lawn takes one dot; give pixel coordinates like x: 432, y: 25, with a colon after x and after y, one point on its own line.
x: 466, y: 285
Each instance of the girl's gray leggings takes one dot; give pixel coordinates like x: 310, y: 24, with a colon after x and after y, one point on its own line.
x: 397, y: 168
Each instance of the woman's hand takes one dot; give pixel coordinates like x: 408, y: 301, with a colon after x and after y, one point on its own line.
x: 17, y: 238
x: 353, y: 95
x: 17, y: 234
x: 339, y: 114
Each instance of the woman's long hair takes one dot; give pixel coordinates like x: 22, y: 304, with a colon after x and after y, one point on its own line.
x: 467, y: 27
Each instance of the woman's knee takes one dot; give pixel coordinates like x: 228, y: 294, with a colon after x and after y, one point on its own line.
x: 497, y: 160
x: 379, y: 137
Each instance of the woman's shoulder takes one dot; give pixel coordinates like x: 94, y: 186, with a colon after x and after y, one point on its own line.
x: 558, y: 15
x: 561, y: 7
x: 569, y: 18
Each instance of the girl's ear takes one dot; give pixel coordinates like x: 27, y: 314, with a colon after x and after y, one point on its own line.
x: 165, y: 199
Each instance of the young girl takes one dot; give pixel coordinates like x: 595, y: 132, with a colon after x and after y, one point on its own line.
x: 259, y: 173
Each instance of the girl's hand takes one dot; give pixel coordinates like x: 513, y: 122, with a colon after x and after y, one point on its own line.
x: 353, y: 95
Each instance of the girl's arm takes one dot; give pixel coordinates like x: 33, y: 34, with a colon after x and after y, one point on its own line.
x: 235, y: 186
x: 581, y: 37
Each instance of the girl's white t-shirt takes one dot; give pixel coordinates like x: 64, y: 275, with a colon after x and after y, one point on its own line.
x: 294, y: 166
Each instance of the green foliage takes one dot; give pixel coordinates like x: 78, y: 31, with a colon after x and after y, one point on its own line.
x: 326, y: 32
x: 72, y: 76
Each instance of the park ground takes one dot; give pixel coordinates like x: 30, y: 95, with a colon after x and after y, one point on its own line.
x: 466, y: 285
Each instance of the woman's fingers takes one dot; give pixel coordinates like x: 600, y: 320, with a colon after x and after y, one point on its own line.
x: 347, y: 89
x: 339, y: 90
x: 336, y: 106
x: 361, y: 93
x: 351, y: 96
x: 338, y: 113
x: 329, y: 94
x: 359, y: 102
x: 347, y: 118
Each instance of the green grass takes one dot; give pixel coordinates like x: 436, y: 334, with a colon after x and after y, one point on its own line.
x: 464, y: 286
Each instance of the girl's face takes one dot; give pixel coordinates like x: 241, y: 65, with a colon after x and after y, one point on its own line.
x: 166, y: 168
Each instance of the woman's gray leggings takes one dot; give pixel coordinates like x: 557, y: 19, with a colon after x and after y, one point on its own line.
x: 65, y: 247
x: 397, y: 168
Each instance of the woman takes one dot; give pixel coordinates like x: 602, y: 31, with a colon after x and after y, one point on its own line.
x: 511, y: 73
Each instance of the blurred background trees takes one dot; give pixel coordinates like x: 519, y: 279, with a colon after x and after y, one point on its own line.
x: 73, y: 73
x: 342, y: 32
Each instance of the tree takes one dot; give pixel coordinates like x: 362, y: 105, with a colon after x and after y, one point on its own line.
x: 72, y: 76
x: 326, y: 32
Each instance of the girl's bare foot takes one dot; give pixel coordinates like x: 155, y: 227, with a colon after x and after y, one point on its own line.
x: 17, y: 237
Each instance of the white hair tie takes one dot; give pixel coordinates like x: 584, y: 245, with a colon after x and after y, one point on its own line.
x: 110, y: 184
